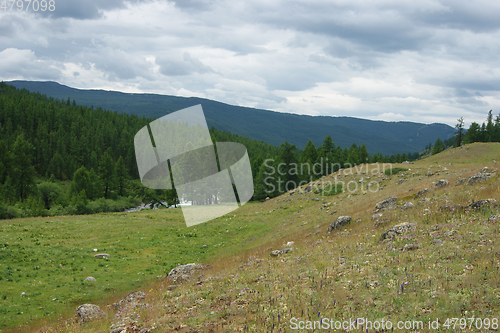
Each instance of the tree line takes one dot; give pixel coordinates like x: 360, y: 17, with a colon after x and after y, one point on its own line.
x: 57, y: 157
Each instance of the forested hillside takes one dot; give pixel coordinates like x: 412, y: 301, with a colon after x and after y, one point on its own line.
x: 264, y: 125
x: 57, y: 157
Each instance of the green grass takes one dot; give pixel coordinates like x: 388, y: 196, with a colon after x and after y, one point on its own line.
x: 393, y: 171
x: 330, y: 190
x: 49, y: 258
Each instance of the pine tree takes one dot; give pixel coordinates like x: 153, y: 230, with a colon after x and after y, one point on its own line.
x: 460, y: 127
x: 106, y: 173
x: 121, y: 176
x: 23, y: 173
x: 438, y: 147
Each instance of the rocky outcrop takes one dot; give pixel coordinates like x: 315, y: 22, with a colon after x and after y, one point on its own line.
x: 398, y: 229
x: 421, y: 193
x: 460, y: 181
x: 480, y: 177
x: 481, y: 203
x: 88, y: 312
x: 101, y: 255
x: 389, y: 203
x: 340, y: 221
x: 183, y: 273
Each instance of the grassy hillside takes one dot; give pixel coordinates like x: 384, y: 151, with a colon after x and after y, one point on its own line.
x: 272, y: 127
x: 450, y: 271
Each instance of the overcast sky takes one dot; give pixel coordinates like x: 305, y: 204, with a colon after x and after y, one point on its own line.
x: 424, y: 61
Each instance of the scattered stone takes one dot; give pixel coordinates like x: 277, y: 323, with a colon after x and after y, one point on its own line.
x: 101, y: 255
x: 204, y: 246
x: 259, y: 279
x: 451, y: 208
x: 183, y: 273
x: 409, y: 247
x: 450, y: 233
x: 401, y: 181
x: 172, y: 287
x: 483, y: 202
x: 389, y: 203
x: 276, y: 253
x: 437, y: 241
x: 377, y: 216
x: 308, y: 188
x: 398, y: 229
x: 90, y: 278
x: 406, y: 162
x: 485, y: 170
x: 407, y: 205
x: 421, y: 193
x: 267, y: 198
x: 494, y: 218
x: 23, y: 294
x: 460, y: 181
x: 88, y: 312
x: 424, y: 200
x: 340, y: 221
x: 480, y: 177
x: 441, y: 183
x: 290, y: 244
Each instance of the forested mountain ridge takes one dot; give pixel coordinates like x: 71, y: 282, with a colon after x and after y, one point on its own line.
x: 269, y: 126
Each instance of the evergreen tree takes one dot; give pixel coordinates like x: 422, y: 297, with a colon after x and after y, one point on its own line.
x: 121, y: 176
x: 438, y: 147
x: 23, y: 173
x: 460, y: 127
x: 106, y: 173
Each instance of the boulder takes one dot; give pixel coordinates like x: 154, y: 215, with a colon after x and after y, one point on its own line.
x: 441, y: 183
x: 88, y: 312
x: 101, y: 255
x: 130, y: 301
x: 407, y: 205
x: 398, y: 229
x: 480, y: 177
x: 421, y: 193
x: 481, y: 203
x: 409, y: 247
x: 183, y: 273
x: 460, y: 181
x: 340, y: 221
x: 389, y: 203
x: 90, y: 278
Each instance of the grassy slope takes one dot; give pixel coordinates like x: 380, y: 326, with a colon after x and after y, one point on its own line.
x: 347, y: 274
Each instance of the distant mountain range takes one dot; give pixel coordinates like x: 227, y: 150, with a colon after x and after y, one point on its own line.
x: 269, y: 126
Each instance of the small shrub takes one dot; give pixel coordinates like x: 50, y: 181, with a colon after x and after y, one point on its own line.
x: 393, y: 171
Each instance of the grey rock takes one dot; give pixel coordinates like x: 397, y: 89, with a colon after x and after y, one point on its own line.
x: 460, y: 181
x: 481, y: 203
x: 340, y: 221
x: 421, y: 193
x: 389, y: 203
x: 407, y: 205
x: 398, y: 229
x: 308, y: 188
x: 480, y: 177
x: 88, y: 312
x: 441, y: 183
x: 451, y: 208
x: 130, y: 301
x: 409, y: 247
x: 401, y: 181
x: 437, y: 241
x: 276, y: 253
x: 183, y: 273
x: 23, y: 294
x: 485, y: 170
x: 101, y: 255
x: 90, y: 278
x: 376, y: 216
x: 119, y: 330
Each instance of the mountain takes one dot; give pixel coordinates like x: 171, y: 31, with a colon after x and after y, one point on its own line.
x: 269, y: 126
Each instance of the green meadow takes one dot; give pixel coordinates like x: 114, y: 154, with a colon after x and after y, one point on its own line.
x: 49, y: 258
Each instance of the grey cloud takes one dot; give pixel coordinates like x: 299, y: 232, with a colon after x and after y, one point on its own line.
x: 84, y: 9
x: 15, y: 63
x: 188, y: 65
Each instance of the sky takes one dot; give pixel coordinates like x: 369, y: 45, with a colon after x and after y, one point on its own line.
x: 423, y: 61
